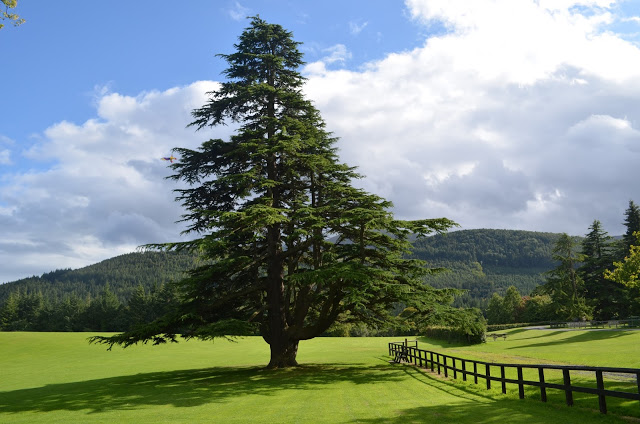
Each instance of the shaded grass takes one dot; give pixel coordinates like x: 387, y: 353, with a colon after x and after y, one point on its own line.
x: 48, y: 378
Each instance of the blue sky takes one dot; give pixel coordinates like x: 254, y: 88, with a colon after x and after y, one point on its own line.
x: 496, y: 113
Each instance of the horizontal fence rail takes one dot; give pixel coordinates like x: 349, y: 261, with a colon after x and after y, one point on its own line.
x: 447, y: 364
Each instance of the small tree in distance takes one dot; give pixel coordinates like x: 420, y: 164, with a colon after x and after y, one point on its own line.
x: 292, y: 246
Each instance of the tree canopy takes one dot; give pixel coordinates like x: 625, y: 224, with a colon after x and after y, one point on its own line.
x: 564, y: 285
x: 7, y: 14
x: 627, y: 271
x: 291, y: 245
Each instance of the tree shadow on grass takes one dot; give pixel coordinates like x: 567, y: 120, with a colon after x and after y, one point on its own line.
x: 588, y: 336
x: 186, y: 388
x: 504, y: 411
x: 478, y: 406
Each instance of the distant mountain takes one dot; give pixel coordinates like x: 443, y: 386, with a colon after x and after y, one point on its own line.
x: 481, y: 261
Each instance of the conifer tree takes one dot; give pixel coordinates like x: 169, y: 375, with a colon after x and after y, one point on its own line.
x: 606, y: 297
x: 292, y: 246
x: 564, y: 285
x: 632, y: 222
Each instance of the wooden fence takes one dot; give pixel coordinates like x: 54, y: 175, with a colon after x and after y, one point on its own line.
x: 403, y: 352
x: 614, y: 323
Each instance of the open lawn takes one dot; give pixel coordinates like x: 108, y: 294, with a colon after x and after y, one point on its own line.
x: 58, y: 377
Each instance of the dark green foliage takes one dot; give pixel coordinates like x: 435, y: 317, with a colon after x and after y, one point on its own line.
x: 564, y: 285
x: 608, y: 298
x: 491, y: 248
x: 31, y: 312
x: 123, y: 273
x: 538, y: 308
x: 465, y: 326
x: 632, y: 222
x: 487, y: 261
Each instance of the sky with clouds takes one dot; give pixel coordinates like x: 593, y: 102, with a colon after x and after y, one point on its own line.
x: 518, y: 114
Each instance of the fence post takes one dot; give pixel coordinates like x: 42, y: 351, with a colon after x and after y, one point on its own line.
x: 464, y: 370
x: 488, y: 375
x: 602, y: 400
x: 455, y: 373
x: 638, y: 382
x: 543, y: 387
x: 431, y: 355
x: 444, y: 360
x: 567, y: 386
x: 475, y: 372
x: 520, y: 384
x: 504, y: 383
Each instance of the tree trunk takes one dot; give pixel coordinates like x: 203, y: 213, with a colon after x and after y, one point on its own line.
x: 283, y: 354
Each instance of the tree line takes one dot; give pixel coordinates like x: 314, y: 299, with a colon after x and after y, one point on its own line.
x: 594, y: 278
x: 24, y: 311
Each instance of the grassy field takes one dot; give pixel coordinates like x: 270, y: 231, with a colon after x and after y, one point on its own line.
x: 49, y: 378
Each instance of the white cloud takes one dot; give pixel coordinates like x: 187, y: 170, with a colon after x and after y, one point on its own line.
x: 335, y: 54
x: 106, y: 193
x: 356, y: 27
x: 5, y: 157
x: 524, y: 115
x: 238, y: 12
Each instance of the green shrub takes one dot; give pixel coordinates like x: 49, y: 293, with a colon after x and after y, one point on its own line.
x: 466, y: 326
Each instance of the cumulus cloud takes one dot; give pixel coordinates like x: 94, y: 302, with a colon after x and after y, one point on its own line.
x: 106, y: 193
x: 522, y: 115
x: 238, y: 12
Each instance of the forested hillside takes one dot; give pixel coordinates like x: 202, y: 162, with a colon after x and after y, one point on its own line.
x: 123, y: 274
x: 481, y: 261
x: 487, y: 261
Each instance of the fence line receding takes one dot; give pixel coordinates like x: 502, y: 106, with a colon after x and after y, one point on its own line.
x: 441, y: 363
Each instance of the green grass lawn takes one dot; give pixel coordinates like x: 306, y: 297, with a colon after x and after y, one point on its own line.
x: 574, y: 347
x: 58, y: 377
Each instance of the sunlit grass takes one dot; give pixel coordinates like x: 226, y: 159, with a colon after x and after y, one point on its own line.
x: 47, y: 378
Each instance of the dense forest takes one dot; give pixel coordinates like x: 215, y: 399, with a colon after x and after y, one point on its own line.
x: 486, y: 261
x: 112, y: 295
x: 482, y: 262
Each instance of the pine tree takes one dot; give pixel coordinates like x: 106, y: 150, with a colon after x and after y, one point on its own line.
x: 632, y: 222
x: 564, y: 285
x: 291, y: 245
x: 606, y: 297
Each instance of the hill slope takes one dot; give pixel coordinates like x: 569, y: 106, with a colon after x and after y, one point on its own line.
x: 123, y: 274
x: 486, y: 261
x: 481, y: 261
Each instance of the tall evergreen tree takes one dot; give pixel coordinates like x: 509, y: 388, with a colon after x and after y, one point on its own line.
x: 606, y: 297
x: 632, y: 222
x: 564, y: 285
x: 292, y: 244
